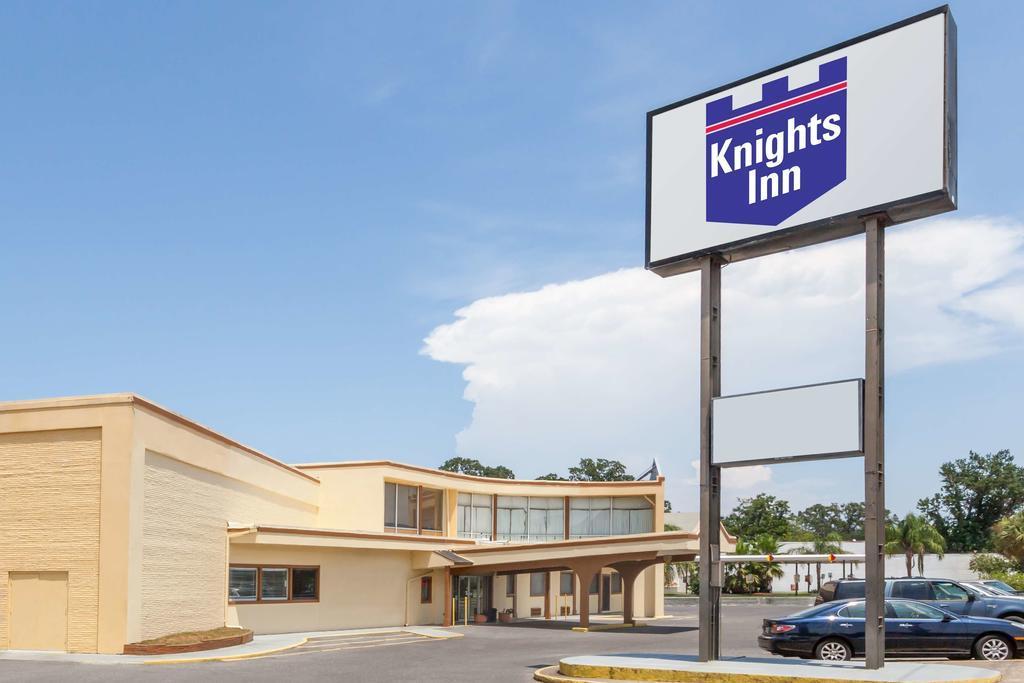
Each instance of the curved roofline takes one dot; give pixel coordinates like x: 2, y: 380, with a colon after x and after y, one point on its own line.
x: 470, y: 477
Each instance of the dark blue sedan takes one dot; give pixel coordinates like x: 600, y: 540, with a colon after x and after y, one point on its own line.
x: 834, y: 631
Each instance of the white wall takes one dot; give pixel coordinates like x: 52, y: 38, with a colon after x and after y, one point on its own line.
x: 952, y: 566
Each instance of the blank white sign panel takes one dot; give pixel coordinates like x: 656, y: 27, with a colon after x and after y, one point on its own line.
x: 801, y: 422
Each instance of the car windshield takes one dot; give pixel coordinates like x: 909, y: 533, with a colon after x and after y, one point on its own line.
x: 1000, y: 586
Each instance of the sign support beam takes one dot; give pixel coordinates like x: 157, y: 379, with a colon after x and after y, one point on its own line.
x: 710, y: 476
x: 874, y: 444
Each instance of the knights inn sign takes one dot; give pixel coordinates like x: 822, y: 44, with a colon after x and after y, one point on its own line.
x: 798, y: 154
x: 848, y: 140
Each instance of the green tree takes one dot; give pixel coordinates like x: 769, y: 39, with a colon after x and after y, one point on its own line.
x: 762, y: 514
x: 821, y: 520
x: 977, y: 491
x: 989, y: 565
x: 1008, y: 537
x: 751, y: 577
x: 600, y: 469
x: 550, y: 476
x: 914, y: 536
x: 668, y: 505
x: 474, y: 468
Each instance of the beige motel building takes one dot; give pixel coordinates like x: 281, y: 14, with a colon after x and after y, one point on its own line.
x: 122, y: 521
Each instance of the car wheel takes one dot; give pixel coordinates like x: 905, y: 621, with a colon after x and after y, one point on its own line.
x: 993, y: 648
x: 833, y: 650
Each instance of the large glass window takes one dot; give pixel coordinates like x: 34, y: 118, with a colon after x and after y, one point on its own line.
x: 565, y: 583
x: 537, y: 583
x: 273, y: 584
x: 305, y: 583
x: 474, y: 516
x: 512, y: 519
x: 409, y: 507
x: 616, y: 583
x: 547, y: 519
x: 432, y: 509
x: 242, y: 584
x: 510, y: 585
x: 617, y: 516
x: 522, y: 519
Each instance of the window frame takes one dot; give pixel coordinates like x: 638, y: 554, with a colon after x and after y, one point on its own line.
x: 544, y: 590
x: 428, y: 582
x: 260, y: 600
x: 572, y: 583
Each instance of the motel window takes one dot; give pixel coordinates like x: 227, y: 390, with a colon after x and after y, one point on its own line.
x: 616, y: 583
x: 565, y: 583
x: 510, y: 585
x: 432, y: 509
x: 537, y: 586
x: 242, y: 584
x: 413, y: 507
x: 305, y: 582
x: 522, y: 518
x: 426, y: 590
x: 259, y: 583
x: 610, y: 516
x: 593, y: 589
x: 474, y: 516
x: 274, y: 584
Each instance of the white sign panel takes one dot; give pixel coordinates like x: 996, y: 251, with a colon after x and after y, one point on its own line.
x: 820, y: 420
x: 801, y: 153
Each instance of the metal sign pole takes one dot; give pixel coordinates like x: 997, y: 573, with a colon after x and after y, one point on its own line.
x: 874, y: 445
x: 710, y: 476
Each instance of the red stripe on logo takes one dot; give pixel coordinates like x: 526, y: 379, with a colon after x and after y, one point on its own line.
x: 806, y: 97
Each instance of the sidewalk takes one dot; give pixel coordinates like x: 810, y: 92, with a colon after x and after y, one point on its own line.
x: 258, y: 647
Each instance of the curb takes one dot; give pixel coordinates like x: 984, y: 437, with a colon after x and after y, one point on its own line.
x: 225, y: 658
x: 586, y: 673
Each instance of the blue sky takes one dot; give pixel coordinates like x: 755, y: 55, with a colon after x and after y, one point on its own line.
x: 256, y: 213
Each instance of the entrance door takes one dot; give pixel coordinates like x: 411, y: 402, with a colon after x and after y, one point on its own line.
x: 472, y: 593
x: 606, y: 592
x: 39, y: 611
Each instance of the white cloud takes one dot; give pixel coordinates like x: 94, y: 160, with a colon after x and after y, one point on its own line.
x: 607, y: 367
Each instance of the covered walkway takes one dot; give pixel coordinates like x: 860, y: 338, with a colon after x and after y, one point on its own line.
x: 629, y: 556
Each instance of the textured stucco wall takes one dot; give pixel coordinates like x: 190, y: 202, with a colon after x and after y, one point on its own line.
x: 50, y: 507
x: 184, y: 543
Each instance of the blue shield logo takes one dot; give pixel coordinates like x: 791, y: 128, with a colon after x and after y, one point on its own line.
x: 768, y: 160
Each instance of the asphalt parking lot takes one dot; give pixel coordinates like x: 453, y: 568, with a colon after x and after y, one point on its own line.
x: 494, y: 653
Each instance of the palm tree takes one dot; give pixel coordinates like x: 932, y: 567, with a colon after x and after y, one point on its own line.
x: 913, y: 536
x: 1008, y: 536
x: 768, y: 545
x: 832, y: 543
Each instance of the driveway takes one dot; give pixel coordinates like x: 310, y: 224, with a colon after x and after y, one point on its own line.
x: 496, y: 653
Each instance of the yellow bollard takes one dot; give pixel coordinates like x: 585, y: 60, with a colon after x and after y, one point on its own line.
x: 465, y: 610
x: 453, y: 610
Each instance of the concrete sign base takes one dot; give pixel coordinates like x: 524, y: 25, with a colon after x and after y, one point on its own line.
x: 654, y: 667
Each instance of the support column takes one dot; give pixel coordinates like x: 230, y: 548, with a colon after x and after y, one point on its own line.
x: 874, y: 444
x: 585, y: 573
x: 448, y: 616
x: 515, y: 595
x: 629, y: 571
x: 710, y: 476
x: 547, y: 595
